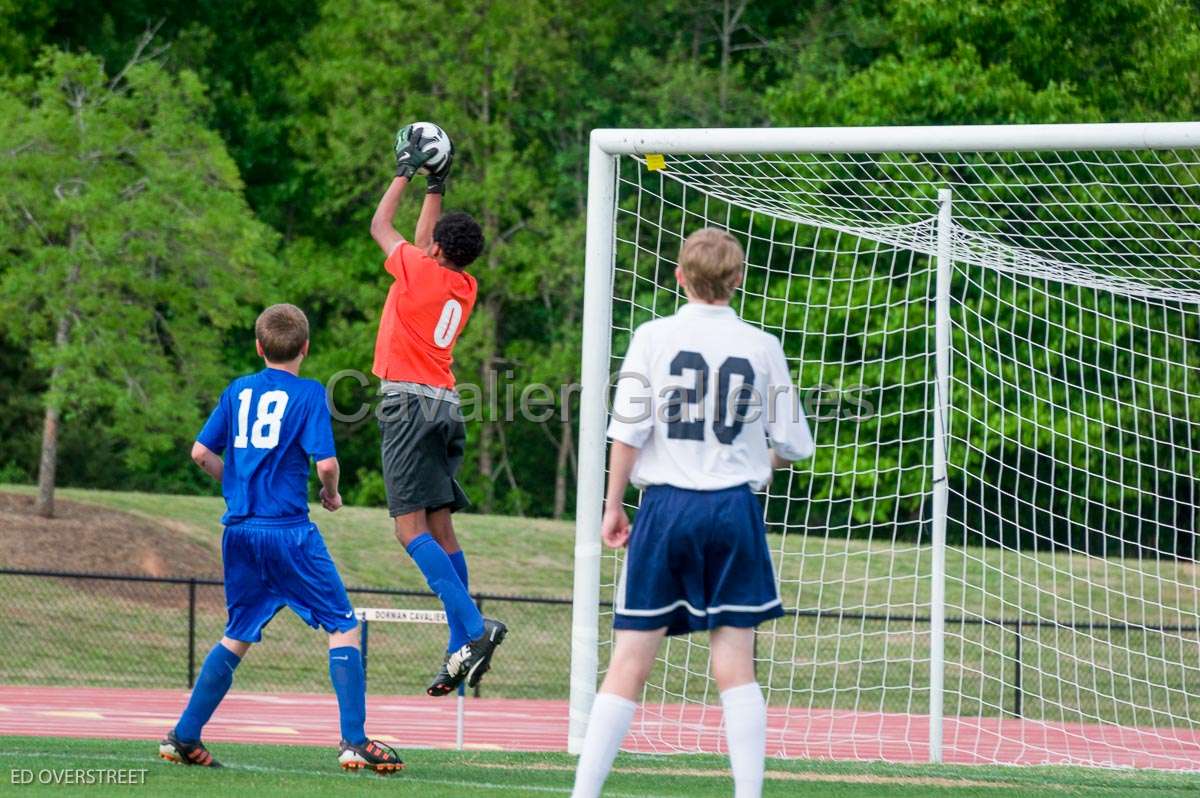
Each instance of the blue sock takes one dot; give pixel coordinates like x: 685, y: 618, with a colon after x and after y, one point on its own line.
x: 215, y: 678
x: 439, y: 573
x: 458, y: 635
x: 346, y: 673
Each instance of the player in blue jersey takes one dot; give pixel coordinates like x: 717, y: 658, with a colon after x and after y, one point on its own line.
x: 268, y: 426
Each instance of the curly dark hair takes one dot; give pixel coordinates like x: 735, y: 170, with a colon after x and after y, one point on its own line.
x: 460, y: 238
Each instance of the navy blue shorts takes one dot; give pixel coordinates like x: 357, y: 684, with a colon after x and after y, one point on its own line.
x: 269, y: 567
x: 697, y: 560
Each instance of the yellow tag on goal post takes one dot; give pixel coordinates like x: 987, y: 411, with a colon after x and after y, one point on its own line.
x: 655, y: 162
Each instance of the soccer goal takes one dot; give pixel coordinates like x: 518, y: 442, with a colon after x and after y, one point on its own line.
x: 992, y: 555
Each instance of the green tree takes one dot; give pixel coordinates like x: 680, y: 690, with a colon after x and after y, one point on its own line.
x: 1016, y: 61
x: 128, y: 248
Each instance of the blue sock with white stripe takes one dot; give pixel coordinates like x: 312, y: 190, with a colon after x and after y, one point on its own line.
x: 216, y: 675
x: 439, y: 574
x: 458, y: 635
x: 350, y: 685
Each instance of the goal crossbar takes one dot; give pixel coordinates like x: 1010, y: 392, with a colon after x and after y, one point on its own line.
x: 913, y: 138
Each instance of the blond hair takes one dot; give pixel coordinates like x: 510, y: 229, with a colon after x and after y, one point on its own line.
x: 282, y: 330
x: 712, y: 261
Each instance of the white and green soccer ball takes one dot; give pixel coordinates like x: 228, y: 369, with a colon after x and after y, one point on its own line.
x: 435, y: 140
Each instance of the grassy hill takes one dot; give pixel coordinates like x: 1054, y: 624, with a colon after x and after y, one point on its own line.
x: 508, y: 555
x: 833, y: 654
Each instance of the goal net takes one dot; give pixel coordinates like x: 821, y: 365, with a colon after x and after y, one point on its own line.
x: 991, y: 556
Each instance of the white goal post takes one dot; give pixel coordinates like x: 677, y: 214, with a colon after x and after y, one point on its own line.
x: 996, y: 562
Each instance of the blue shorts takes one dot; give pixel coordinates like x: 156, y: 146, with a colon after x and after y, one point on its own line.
x: 697, y: 560
x: 269, y: 567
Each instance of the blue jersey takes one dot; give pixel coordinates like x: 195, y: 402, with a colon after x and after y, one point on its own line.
x: 268, y: 425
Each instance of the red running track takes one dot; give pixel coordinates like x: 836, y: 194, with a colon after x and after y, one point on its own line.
x: 535, y: 725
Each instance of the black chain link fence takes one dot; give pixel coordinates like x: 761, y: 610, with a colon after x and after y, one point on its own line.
x: 1070, y: 670
x: 153, y: 632
x: 64, y: 628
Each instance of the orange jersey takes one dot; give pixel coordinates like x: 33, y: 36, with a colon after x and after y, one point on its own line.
x: 427, y: 307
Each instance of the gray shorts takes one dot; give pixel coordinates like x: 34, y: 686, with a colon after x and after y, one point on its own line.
x: 423, y: 444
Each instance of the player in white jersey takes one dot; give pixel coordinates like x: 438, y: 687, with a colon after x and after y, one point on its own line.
x: 705, y: 408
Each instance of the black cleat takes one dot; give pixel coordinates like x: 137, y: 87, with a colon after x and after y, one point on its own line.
x: 173, y: 749
x: 445, y: 682
x: 475, y: 658
x: 371, y: 755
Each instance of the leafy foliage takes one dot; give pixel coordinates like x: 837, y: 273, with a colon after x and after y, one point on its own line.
x: 129, y: 250
x: 299, y: 102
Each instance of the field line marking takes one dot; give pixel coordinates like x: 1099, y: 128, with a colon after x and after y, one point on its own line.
x: 260, y: 729
x: 81, y: 714
x: 782, y: 775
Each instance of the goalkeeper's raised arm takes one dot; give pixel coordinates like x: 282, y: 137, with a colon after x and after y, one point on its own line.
x: 411, y: 156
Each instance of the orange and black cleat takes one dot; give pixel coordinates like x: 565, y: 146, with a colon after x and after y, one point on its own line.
x: 173, y: 749
x: 371, y: 755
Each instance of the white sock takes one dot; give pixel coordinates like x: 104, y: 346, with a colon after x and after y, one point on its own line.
x: 607, y: 727
x: 746, y: 735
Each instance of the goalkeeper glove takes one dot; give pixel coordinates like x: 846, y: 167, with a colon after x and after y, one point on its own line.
x: 409, y: 155
x: 436, y: 182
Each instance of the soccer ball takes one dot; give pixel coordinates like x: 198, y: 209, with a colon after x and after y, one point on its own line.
x: 436, y: 140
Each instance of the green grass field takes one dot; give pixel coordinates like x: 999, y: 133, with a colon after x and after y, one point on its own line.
x: 267, y: 770
x: 138, y: 632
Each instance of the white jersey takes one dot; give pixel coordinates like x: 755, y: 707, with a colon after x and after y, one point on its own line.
x: 702, y: 394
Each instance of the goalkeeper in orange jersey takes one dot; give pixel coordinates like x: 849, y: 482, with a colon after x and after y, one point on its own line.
x: 427, y: 306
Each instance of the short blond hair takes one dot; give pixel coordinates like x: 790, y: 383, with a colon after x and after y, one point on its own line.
x: 712, y: 261
x: 282, y: 330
